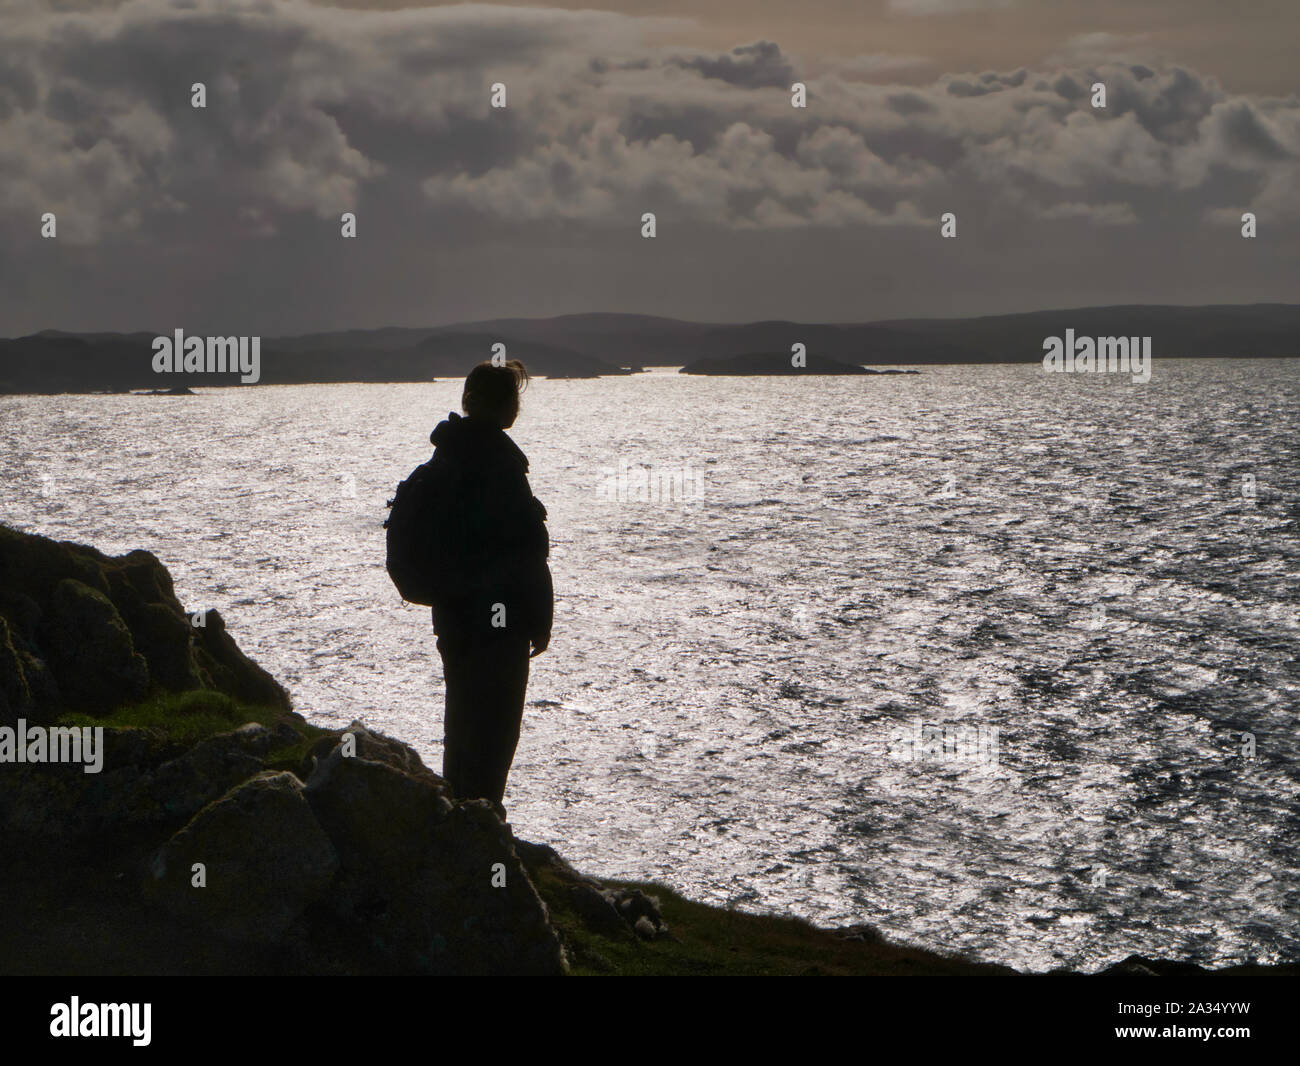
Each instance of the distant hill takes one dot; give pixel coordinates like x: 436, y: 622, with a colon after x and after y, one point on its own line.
x: 441, y: 355
x: 1253, y: 330
x: 387, y: 338
x: 455, y: 354
x: 644, y: 340
x: 56, y: 362
x: 53, y: 362
x: 778, y: 363
x: 586, y: 345
x: 1225, y: 331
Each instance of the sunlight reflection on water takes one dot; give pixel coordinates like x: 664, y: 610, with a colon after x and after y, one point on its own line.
x: 1069, y: 560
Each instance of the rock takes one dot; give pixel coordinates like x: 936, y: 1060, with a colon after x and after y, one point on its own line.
x: 867, y: 934
x: 15, y: 696
x: 1128, y: 968
x: 614, y: 912
x: 147, y: 785
x: 377, y: 748
x: 41, y: 685
x: 43, y: 801
x: 265, y: 859
x: 91, y: 633
x: 595, y: 906
x: 432, y: 886
x: 536, y: 856
x: 378, y: 815
x: 165, y: 638
x: 255, y: 737
x: 635, y: 907
x: 227, y: 669
x: 91, y: 649
x: 180, y: 787
x: 1140, y: 966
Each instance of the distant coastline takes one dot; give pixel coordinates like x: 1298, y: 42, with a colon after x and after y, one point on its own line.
x: 783, y: 364
x: 605, y: 344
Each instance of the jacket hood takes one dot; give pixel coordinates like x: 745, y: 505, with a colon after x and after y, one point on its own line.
x: 473, y: 439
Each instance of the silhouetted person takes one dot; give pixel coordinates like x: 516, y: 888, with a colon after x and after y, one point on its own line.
x: 502, y: 602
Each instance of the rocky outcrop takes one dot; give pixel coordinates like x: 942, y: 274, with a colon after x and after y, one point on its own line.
x: 371, y: 866
x: 434, y: 885
x: 619, y: 912
x: 90, y: 648
x: 274, y: 834
x: 15, y: 692
x: 80, y: 631
x: 248, y: 864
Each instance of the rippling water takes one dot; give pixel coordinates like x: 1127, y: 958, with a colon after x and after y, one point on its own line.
x: 1069, y: 560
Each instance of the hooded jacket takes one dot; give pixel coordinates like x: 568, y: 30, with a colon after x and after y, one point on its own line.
x: 502, y: 527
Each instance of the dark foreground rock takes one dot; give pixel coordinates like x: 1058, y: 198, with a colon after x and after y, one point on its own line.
x: 436, y: 886
x: 369, y: 865
x: 249, y: 863
x: 320, y: 851
x: 80, y: 631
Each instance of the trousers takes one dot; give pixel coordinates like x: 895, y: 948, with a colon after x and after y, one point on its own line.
x: 486, y: 681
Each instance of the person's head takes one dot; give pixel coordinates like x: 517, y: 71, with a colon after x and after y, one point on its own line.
x: 492, y: 392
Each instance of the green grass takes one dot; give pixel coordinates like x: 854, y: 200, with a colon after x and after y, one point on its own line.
x: 187, y: 717
x: 293, y: 756
x: 715, y: 941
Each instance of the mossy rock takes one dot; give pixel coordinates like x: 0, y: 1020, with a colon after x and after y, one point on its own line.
x: 15, y: 695
x: 165, y: 638
x: 433, y: 887
x: 248, y: 864
x: 91, y: 633
x: 92, y: 650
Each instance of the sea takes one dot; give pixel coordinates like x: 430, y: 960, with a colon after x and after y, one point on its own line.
x: 996, y: 661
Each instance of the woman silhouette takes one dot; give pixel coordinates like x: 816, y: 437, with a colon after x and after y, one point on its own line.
x: 496, y: 612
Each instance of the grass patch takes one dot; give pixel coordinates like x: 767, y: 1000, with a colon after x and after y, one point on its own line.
x: 191, y: 716
x: 293, y: 757
x: 716, y: 941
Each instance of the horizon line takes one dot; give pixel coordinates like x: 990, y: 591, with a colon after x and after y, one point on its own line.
x: 694, y: 322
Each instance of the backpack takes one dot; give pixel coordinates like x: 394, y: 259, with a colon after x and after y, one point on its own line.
x: 444, y: 531
x: 422, y: 544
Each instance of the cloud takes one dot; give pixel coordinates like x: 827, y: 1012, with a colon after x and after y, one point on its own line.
x: 314, y: 111
x: 751, y: 66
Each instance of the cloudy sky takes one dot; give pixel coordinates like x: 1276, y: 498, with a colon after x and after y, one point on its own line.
x: 226, y: 218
